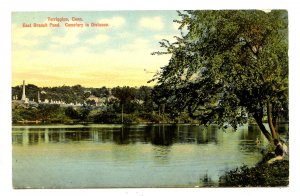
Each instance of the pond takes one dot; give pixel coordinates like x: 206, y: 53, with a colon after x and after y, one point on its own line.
x: 97, y: 156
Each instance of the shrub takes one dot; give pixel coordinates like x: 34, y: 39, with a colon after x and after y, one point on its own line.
x: 262, y: 175
x: 151, y: 117
x: 107, y: 117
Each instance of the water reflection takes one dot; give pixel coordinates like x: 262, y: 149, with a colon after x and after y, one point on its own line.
x: 122, y: 136
x: 129, y: 156
x: 161, y: 135
x: 164, y: 135
x: 252, y: 139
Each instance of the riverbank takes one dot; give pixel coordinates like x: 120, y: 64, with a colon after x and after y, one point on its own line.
x: 53, y: 114
x: 261, y: 175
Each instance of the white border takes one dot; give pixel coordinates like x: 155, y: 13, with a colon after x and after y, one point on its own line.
x: 84, y: 5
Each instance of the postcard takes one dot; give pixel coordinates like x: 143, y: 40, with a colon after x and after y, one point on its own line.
x: 150, y: 99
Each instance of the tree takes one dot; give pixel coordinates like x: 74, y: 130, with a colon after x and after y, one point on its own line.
x: 72, y: 113
x: 227, y: 66
x: 125, y: 95
x: 47, y: 112
x: 144, y: 93
x: 84, y: 112
x: 91, y: 102
x: 31, y: 91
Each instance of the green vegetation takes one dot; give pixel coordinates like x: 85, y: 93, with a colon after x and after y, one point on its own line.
x: 136, y: 104
x: 82, y: 115
x: 43, y: 113
x: 86, y: 114
x: 228, y: 66
x: 262, y: 175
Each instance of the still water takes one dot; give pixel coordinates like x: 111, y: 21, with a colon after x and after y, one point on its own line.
x: 97, y: 156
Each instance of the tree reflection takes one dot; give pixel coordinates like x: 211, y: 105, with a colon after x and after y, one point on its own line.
x: 161, y: 135
x: 250, y: 136
x: 197, y: 134
x: 121, y: 136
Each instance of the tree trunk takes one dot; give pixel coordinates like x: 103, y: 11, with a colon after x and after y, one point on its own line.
x: 270, y: 121
x: 275, y: 123
x: 258, y: 119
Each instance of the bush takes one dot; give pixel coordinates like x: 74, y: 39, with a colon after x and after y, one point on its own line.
x: 107, y: 117
x: 149, y: 117
x: 24, y: 114
x: 71, y: 113
x: 130, y: 118
x: 184, y: 118
x: 262, y: 175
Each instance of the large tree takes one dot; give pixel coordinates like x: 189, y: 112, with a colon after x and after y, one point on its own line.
x: 125, y: 95
x: 228, y: 66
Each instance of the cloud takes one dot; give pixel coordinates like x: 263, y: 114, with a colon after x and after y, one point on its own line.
x: 33, y: 36
x: 71, y: 36
x: 74, y: 65
x: 114, y: 22
x: 152, y: 23
x: 124, y: 35
x: 137, y: 44
x: 61, y: 62
x: 28, y: 37
x: 101, y: 38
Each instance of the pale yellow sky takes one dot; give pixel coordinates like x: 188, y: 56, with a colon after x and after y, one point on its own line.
x: 93, y: 57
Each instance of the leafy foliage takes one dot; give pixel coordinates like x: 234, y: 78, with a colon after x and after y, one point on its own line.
x: 276, y: 174
x: 229, y: 65
x: 107, y: 117
x: 43, y: 113
x: 138, y: 104
x: 72, y: 113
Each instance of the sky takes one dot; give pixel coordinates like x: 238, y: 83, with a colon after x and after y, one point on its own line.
x: 115, y: 55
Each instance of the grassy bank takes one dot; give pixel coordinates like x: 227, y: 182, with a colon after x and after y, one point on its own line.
x: 262, y: 175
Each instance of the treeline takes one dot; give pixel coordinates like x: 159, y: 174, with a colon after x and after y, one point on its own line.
x: 131, y: 99
x: 68, y: 94
x: 53, y: 113
x: 128, y: 105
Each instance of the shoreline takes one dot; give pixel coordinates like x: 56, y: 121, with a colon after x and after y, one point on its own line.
x: 79, y: 125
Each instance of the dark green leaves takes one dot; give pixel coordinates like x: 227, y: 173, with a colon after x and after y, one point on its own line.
x: 229, y: 63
